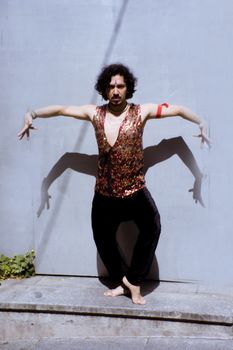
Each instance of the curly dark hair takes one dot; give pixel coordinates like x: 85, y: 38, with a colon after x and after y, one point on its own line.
x: 106, y: 74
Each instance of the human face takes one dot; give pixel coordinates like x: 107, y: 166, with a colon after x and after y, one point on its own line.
x: 117, y: 90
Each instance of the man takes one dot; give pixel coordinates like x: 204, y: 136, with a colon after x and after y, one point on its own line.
x: 120, y: 191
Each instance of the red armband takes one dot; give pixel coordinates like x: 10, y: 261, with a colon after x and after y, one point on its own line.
x: 159, y: 110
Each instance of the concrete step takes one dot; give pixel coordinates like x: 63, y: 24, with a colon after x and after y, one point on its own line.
x: 50, y: 307
x: 120, y: 343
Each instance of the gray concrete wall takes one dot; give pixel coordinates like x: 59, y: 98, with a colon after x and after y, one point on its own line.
x: 181, y: 52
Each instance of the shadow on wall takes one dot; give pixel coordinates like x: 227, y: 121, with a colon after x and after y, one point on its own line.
x: 87, y: 164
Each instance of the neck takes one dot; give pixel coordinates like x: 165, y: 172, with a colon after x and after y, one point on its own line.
x: 118, y: 109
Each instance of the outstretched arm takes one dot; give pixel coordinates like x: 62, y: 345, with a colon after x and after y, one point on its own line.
x: 84, y: 112
x: 150, y: 111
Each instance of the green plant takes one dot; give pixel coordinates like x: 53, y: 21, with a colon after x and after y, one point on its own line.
x: 20, y: 266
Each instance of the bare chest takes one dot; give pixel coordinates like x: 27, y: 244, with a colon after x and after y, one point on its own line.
x: 112, y: 126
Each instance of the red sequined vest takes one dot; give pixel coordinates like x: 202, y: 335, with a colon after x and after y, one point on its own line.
x: 120, y: 167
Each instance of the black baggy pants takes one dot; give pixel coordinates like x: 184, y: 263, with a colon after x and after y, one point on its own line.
x: 107, y: 214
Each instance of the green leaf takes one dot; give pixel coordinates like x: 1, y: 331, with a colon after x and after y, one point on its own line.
x: 20, y: 266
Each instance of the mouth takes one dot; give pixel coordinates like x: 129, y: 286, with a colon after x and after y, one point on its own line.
x: 116, y: 99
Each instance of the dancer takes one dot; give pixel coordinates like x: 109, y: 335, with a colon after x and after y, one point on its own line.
x: 120, y: 189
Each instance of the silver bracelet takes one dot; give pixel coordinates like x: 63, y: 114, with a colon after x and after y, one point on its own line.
x: 33, y: 115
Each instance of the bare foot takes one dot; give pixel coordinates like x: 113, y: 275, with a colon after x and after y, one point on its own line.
x: 135, y: 292
x: 116, y: 292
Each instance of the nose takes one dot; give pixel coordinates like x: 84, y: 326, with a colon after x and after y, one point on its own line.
x: 115, y: 90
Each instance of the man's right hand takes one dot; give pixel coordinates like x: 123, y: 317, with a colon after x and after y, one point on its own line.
x: 27, y: 126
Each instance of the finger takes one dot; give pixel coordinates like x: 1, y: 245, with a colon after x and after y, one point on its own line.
x: 22, y: 131
x: 25, y: 130
x: 207, y: 141
x: 20, y: 136
x: 204, y: 139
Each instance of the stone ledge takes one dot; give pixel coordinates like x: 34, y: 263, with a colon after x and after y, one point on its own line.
x: 119, y: 343
x: 119, y: 312
x: 182, y: 302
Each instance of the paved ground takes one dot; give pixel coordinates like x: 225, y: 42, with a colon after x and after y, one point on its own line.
x: 52, y: 312
x: 118, y: 343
